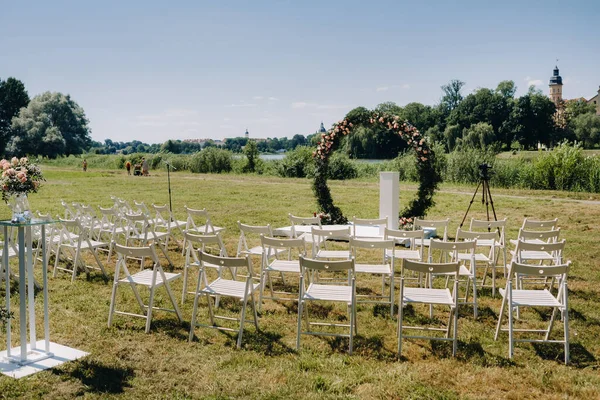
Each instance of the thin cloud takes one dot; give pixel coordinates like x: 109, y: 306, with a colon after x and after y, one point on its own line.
x: 533, y: 82
x: 257, y: 97
x: 382, y: 89
x: 273, y: 98
x: 242, y: 105
x: 390, y: 87
x: 303, y: 104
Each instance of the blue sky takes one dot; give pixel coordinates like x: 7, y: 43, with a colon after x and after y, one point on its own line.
x: 156, y: 70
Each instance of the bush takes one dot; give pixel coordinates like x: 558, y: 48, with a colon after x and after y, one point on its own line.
x: 341, y: 167
x: 463, y: 166
x: 211, y: 160
x: 297, y: 163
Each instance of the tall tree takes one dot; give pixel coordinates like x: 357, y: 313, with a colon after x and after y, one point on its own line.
x: 51, y: 125
x: 507, y: 89
x: 13, y: 97
x: 587, y: 128
x: 452, y: 94
x: 532, y: 119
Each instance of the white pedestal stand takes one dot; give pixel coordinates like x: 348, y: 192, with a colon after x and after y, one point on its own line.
x: 389, y: 195
x: 28, y: 358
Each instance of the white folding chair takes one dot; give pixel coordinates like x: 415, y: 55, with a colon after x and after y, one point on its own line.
x: 199, y: 222
x: 249, y: 242
x: 485, y: 253
x: 363, y: 251
x: 109, y: 229
x: 467, y: 271
x: 151, y: 278
x: 378, y: 223
x: 212, y: 244
x: 296, y: 222
x: 74, y: 239
x: 513, y: 297
x: 540, y: 225
x: 440, y: 226
x: 499, y: 227
x: 141, y: 232
x: 164, y: 218
x: 310, y: 292
x: 414, y: 239
x: 271, y: 262
x: 242, y: 290
x: 321, y: 236
x: 429, y: 295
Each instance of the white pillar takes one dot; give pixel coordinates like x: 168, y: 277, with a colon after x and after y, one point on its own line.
x: 389, y: 197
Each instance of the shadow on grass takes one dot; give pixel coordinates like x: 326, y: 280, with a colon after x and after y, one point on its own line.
x: 383, y: 310
x: 170, y: 326
x: 369, y: 347
x: 471, y: 352
x: 99, y: 378
x: 588, y: 295
x: 264, y: 342
x: 580, y: 357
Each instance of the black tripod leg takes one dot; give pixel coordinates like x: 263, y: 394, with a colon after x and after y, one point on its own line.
x: 470, y: 204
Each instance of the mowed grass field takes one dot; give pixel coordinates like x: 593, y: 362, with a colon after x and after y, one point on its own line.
x: 124, y: 362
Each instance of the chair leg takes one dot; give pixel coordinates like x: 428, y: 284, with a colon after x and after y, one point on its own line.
x: 566, y: 328
x: 194, y: 316
x: 455, y: 333
x: 149, y: 312
x: 112, y: 304
x: 510, y: 332
x: 56, y: 262
x: 493, y: 280
x: 551, y: 324
x: 173, y: 301
x: 242, y: 320
x: 499, y: 325
x: 94, y: 251
x: 352, y: 326
x: 210, y: 310
x: 254, y: 311
x: 392, y: 295
x: 185, y: 279
x: 400, y: 316
x: 75, y: 261
x: 474, y: 297
x: 300, y: 306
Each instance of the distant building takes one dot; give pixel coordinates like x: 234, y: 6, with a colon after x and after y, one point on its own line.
x: 596, y: 101
x: 247, y: 135
x: 556, y: 85
x: 322, y: 128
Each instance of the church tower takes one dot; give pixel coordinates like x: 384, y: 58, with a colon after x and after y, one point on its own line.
x: 556, y: 85
x: 246, y: 134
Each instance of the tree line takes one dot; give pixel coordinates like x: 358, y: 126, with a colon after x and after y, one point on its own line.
x: 53, y: 124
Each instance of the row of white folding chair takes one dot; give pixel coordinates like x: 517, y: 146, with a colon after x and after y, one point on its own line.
x: 73, y: 239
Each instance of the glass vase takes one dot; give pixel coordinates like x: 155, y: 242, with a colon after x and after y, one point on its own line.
x: 19, y: 205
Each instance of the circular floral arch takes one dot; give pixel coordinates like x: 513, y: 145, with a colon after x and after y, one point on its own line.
x: 428, y: 176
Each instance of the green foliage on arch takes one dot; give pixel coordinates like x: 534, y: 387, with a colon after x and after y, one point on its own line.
x: 428, y: 176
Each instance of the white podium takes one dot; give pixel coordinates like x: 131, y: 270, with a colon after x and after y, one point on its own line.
x: 33, y: 356
x: 389, y: 197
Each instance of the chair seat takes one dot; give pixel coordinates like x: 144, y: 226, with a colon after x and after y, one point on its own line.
x: 145, y: 278
x: 404, y: 254
x: 541, y: 297
x: 203, y: 229
x: 424, y: 242
x: 258, y: 251
x: 228, y: 287
x: 345, y: 254
x: 536, y: 255
x: 149, y: 236
x: 479, y: 257
x: 429, y: 296
x: 462, y: 271
x: 373, y: 269
x: 284, y: 266
x: 328, y: 293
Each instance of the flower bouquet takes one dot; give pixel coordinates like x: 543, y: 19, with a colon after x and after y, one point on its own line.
x: 406, y: 224
x: 19, y: 177
x: 325, y: 218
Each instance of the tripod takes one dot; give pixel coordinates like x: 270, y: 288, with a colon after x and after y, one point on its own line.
x: 486, y: 195
x: 169, y: 166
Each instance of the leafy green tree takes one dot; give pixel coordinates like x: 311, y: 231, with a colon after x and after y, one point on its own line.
x: 51, y: 125
x: 532, y: 119
x: 478, y: 136
x: 251, y: 153
x: 452, y: 95
x: 574, y: 108
x: 13, y: 97
x: 587, y: 129
x: 507, y: 89
x: 452, y: 134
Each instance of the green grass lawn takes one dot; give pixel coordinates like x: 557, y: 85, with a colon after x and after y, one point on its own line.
x: 126, y: 362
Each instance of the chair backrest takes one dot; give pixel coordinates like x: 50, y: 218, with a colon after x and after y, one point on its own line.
x: 196, y: 242
x: 227, y: 262
x: 541, y: 236
x: 295, y: 220
x: 72, y: 231
x: 70, y: 213
x: 430, y: 268
x: 453, y: 248
x: 441, y: 224
x: 540, y: 271
x: 139, y: 253
x: 375, y: 222
x: 271, y: 243
x: 161, y: 213
x: 547, y: 225
x: 555, y: 249
x: 309, y: 264
x: 396, y: 234
x: 138, y: 225
x: 193, y: 217
x: 462, y: 235
x: 359, y: 245
x: 491, y: 226
x: 326, y: 232
x: 251, y: 232
x: 142, y: 208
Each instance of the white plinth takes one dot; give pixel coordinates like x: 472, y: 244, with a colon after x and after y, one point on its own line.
x: 59, y: 355
x: 389, y: 197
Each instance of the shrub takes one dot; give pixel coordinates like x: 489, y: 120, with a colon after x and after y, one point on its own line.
x: 211, y: 160
x: 341, y: 167
x: 298, y: 163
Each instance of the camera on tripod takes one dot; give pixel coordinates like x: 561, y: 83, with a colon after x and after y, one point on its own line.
x: 484, y: 171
